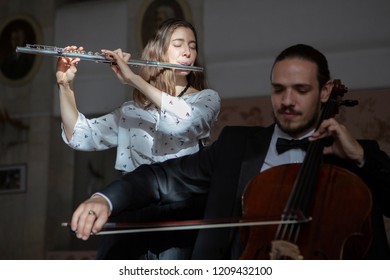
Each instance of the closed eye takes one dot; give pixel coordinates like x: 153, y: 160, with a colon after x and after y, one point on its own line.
x: 303, y: 88
x: 180, y: 42
x: 277, y: 88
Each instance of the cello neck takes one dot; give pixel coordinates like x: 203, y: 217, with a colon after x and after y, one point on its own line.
x: 302, y: 191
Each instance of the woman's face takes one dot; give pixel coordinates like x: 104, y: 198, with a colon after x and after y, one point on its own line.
x: 182, y: 47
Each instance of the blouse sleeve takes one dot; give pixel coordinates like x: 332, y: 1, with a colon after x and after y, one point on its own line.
x: 94, y: 134
x: 189, y: 117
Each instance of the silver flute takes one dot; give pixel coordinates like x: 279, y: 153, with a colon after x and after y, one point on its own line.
x: 97, y: 57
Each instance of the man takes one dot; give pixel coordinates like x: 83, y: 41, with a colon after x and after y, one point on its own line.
x: 301, y: 83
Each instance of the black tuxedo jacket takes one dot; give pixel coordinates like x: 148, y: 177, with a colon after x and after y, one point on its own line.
x: 222, y: 171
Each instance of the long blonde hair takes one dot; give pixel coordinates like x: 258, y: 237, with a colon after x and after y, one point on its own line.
x: 156, y: 50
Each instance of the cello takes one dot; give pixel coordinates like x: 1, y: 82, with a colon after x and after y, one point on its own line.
x: 333, y: 202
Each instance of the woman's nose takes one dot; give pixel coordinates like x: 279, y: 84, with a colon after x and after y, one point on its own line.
x: 186, y: 51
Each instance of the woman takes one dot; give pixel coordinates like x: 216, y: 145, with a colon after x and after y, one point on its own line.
x: 156, y: 125
x: 170, y: 115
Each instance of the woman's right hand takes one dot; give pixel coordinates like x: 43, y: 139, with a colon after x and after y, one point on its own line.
x: 66, y: 67
x: 120, y: 66
x: 127, y: 76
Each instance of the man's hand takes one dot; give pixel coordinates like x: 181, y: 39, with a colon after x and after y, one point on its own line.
x: 90, y: 217
x: 344, y: 145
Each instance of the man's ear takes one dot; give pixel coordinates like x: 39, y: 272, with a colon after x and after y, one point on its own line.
x: 326, y: 91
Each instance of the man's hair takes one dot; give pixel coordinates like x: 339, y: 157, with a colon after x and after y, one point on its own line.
x: 311, y: 54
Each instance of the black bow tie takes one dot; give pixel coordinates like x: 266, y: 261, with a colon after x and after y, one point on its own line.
x: 283, y: 145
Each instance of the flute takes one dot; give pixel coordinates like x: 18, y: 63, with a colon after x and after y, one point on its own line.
x: 97, y: 57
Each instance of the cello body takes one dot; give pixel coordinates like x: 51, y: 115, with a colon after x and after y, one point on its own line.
x: 339, y: 210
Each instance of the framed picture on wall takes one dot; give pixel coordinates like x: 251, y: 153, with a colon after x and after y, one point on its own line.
x: 17, y: 31
x: 154, y: 12
x: 13, y: 178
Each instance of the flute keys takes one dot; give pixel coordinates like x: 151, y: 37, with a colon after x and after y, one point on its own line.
x: 95, y: 56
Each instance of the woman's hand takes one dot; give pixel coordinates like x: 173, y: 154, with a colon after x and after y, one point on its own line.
x: 120, y: 66
x: 126, y: 76
x: 66, y: 67
x: 90, y: 217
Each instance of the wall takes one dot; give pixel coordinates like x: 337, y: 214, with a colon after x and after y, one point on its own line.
x: 23, y: 216
x: 242, y: 38
x: 238, y: 41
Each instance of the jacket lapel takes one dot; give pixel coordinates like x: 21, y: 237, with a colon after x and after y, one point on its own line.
x: 255, y: 153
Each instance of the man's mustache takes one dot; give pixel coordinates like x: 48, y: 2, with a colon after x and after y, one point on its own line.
x: 288, y: 110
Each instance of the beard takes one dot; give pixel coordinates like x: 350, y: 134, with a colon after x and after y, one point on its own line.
x: 290, y: 129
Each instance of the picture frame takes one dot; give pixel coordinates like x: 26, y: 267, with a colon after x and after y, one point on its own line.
x: 17, y: 69
x: 154, y: 12
x: 13, y: 178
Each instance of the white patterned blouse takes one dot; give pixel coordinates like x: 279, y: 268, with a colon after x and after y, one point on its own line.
x: 148, y: 136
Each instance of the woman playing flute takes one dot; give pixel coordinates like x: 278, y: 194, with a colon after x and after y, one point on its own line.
x: 171, y: 113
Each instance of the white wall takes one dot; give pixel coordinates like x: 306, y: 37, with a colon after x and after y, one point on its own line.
x: 243, y: 37
x: 98, y: 26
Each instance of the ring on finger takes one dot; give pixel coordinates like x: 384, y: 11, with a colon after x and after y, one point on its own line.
x: 91, y: 212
